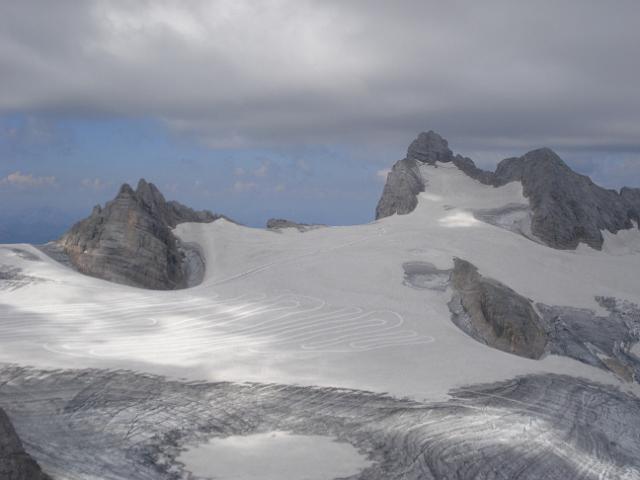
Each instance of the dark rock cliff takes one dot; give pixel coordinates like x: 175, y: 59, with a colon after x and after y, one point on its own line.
x: 568, y: 208
x: 15, y: 463
x: 130, y: 241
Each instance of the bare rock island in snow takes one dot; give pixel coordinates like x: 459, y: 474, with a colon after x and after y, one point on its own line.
x: 495, y: 314
x: 130, y: 240
x: 278, y: 224
x: 567, y: 208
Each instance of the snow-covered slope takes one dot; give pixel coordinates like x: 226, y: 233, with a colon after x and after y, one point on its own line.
x: 325, y: 307
x: 328, y: 307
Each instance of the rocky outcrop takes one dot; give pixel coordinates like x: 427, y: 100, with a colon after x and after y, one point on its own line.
x: 601, y: 341
x: 494, y: 314
x: 405, y: 182
x: 15, y: 462
x: 400, y: 194
x: 130, y: 240
x: 567, y: 208
x: 499, y: 317
x: 280, y: 223
x: 632, y: 197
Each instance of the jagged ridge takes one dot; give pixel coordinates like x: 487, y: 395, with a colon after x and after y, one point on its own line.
x: 568, y: 208
x: 130, y: 240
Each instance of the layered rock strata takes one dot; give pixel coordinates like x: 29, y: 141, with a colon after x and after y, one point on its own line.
x: 130, y: 240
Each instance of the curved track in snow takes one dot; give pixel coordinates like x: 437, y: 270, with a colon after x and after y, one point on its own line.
x: 191, y: 327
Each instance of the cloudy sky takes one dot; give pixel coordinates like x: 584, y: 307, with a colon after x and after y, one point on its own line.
x: 295, y: 108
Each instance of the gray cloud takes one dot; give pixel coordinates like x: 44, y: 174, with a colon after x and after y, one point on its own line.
x: 496, y: 74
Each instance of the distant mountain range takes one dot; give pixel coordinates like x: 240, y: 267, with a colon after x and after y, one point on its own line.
x: 35, y: 226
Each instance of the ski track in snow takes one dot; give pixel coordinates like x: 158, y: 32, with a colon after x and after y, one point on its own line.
x: 183, y: 329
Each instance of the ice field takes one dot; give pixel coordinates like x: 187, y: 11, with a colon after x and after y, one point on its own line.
x: 326, y: 307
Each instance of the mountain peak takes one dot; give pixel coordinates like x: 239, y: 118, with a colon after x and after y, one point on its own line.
x: 544, y: 155
x: 125, y: 190
x: 131, y: 241
x: 149, y: 194
x: 429, y: 147
x: 567, y: 208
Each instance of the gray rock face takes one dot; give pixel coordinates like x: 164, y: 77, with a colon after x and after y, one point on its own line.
x: 15, y: 462
x: 601, y: 341
x: 632, y: 197
x: 400, y: 194
x: 126, y: 426
x: 499, y: 317
x: 280, y: 223
x: 404, y: 181
x: 130, y: 240
x: 494, y: 314
x: 429, y: 148
x: 567, y: 208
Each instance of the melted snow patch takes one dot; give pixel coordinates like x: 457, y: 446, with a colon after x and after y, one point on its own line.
x: 274, y: 456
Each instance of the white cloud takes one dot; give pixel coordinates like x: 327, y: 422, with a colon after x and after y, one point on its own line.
x: 262, y: 170
x: 240, y: 186
x: 382, y: 174
x: 27, y: 180
x: 94, y: 183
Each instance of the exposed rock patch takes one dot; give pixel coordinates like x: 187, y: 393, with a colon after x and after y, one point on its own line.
x: 130, y: 240
x: 499, y: 317
x: 601, y: 341
x: 24, y: 254
x: 513, y: 217
x: 15, y: 462
x: 494, y: 314
x: 280, y: 223
x: 567, y: 208
x: 12, y: 278
x: 424, y: 275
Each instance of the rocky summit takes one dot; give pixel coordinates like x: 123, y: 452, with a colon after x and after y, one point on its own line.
x: 567, y: 208
x: 130, y: 240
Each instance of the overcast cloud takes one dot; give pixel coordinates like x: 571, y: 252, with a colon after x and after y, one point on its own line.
x: 298, y: 108
x: 238, y: 73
